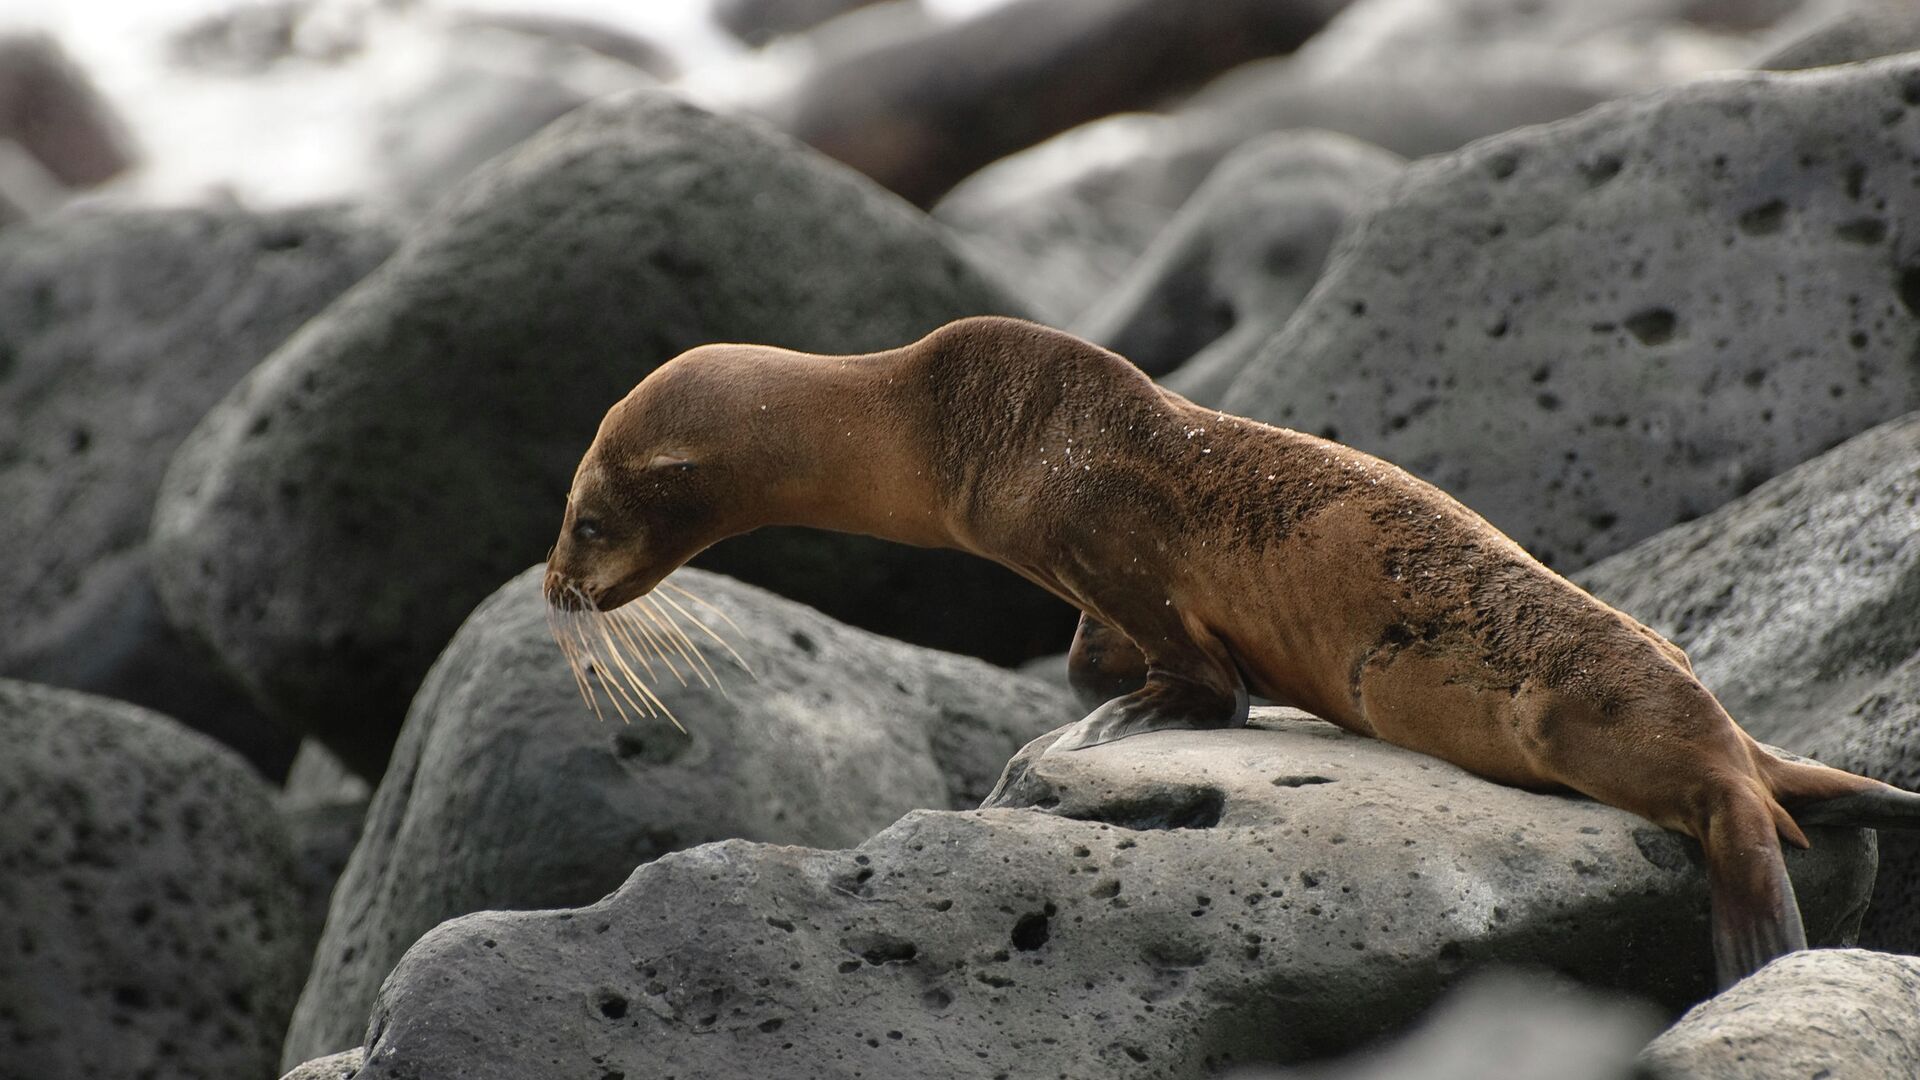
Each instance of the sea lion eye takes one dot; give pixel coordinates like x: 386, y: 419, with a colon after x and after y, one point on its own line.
x: 586, y: 529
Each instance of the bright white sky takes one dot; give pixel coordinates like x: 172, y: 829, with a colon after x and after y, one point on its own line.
x: 301, y: 132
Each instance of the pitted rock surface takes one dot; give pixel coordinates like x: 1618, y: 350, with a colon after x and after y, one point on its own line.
x: 506, y: 793
x: 1238, y: 258
x: 333, y: 520
x: 1591, y: 330
x: 150, y: 925
x: 1163, y: 906
x: 1065, y: 220
x: 1796, y: 599
x: 1796, y: 604
x: 1830, y: 1013
x: 118, y: 331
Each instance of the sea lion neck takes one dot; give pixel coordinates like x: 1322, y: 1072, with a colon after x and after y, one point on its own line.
x: 836, y: 449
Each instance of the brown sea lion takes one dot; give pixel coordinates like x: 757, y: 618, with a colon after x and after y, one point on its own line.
x: 1210, y: 555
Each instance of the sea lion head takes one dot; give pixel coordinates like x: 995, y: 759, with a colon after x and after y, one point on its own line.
x: 653, y: 489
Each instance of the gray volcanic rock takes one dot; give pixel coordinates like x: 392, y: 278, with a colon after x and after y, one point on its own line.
x: 1592, y: 330
x: 1880, y: 737
x: 1843, y: 31
x: 1228, y: 270
x: 504, y: 792
x: 1835, y: 1013
x: 340, y: 1066
x: 757, y: 22
x: 117, y: 333
x: 1796, y: 604
x: 1795, y: 600
x: 1064, y: 221
x: 1503, y: 1025
x: 1163, y: 906
x: 149, y: 921
x: 335, y: 518
x: 921, y: 114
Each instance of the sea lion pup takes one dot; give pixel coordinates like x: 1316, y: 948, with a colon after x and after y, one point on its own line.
x: 1210, y: 555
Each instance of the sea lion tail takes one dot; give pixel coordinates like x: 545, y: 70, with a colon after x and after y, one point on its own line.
x: 1755, y: 914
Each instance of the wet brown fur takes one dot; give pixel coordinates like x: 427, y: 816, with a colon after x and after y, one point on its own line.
x: 1210, y: 554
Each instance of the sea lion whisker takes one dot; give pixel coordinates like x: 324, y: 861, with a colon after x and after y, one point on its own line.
x: 683, y: 643
x: 622, y: 626
x: 680, y: 635
x: 724, y: 617
x: 555, y: 628
x: 634, y: 681
x: 653, y: 615
x: 582, y: 655
x: 652, y: 638
x: 609, y: 678
x: 696, y: 619
x: 708, y: 630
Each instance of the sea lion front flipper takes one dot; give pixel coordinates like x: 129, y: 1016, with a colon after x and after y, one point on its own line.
x: 1166, y: 703
x: 1103, y: 664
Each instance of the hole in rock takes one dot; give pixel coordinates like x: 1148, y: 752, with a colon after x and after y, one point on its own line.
x: 1652, y: 327
x: 1301, y: 780
x: 1031, y: 931
x: 1763, y: 219
x: 613, y: 1006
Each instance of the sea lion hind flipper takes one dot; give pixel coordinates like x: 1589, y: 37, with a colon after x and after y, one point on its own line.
x: 1103, y: 663
x: 1165, y: 703
x: 1876, y: 808
x: 1755, y: 915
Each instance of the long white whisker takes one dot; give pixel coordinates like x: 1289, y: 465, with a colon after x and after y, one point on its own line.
x: 708, y: 630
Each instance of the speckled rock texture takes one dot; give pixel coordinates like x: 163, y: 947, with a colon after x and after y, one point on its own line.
x: 340, y: 1066
x: 1843, y: 31
x: 1238, y: 258
x: 1796, y: 604
x: 1164, y: 906
x: 1592, y: 330
x: 920, y: 114
x: 1880, y: 737
x: 1508, y: 1024
x: 334, y: 519
x: 506, y: 793
x: 1796, y: 599
x: 1836, y: 1014
x: 118, y: 331
x: 1065, y: 220
x: 149, y: 920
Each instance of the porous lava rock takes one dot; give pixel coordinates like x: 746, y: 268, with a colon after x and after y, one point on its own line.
x: 334, y: 519
x: 118, y: 331
x: 506, y: 793
x: 1167, y: 906
x: 1229, y: 269
x: 1796, y: 604
x: 149, y: 920
x: 1827, y: 1013
x: 1591, y: 330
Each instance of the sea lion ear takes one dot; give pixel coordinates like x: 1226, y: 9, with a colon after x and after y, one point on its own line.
x: 669, y: 459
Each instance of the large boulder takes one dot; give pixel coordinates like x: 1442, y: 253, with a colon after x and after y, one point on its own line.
x: 1164, y: 906
x: 1238, y: 258
x: 1796, y: 604
x: 1065, y: 221
x: 149, y: 921
x: 118, y: 331
x: 920, y: 114
x: 335, y: 518
x: 505, y: 793
x: 1843, y: 31
x: 1591, y: 330
x: 1834, y: 1013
